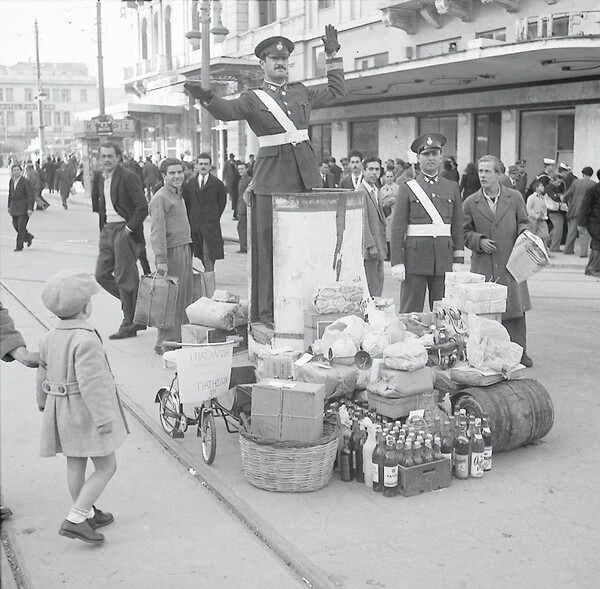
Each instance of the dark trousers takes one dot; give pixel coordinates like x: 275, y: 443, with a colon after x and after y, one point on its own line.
x: 20, y: 225
x: 374, y: 273
x: 234, y: 202
x: 116, y: 267
x: 242, y: 229
x: 412, y: 292
x: 262, y: 258
x: 594, y: 261
x: 517, y: 330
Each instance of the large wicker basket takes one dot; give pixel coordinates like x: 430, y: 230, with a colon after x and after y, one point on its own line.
x: 290, y: 467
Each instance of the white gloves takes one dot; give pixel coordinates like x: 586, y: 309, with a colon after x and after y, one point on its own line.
x: 458, y: 267
x: 399, y: 272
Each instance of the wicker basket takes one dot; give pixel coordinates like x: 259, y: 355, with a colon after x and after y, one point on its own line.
x: 290, y: 467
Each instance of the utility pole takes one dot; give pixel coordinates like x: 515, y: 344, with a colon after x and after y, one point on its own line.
x: 40, y: 95
x: 205, y: 117
x: 100, y: 60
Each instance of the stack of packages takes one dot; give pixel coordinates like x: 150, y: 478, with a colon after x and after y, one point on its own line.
x: 215, y: 319
x: 470, y: 294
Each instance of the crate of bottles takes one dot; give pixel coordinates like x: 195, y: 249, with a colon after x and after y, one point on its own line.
x: 422, y: 478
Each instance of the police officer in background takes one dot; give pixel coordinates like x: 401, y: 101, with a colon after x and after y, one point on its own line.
x: 279, y: 114
x: 427, y: 229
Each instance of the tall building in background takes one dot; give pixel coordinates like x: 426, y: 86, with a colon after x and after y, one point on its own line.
x: 519, y: 79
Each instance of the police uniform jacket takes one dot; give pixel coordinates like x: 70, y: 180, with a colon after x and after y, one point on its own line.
x: 503, y: 227
x: 78, y: 393
x: 287, y: 167
x: 127, y: 196
x: 429, y: 256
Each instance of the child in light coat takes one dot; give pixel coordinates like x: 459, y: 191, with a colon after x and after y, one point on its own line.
x: 83, y: 415
x: 537, y: 211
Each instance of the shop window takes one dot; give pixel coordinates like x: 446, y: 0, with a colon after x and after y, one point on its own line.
x: 487, y: 134
x: 267, y: 12
x: 320, y: 137
x: 364, y: 136
x: 447, y: 126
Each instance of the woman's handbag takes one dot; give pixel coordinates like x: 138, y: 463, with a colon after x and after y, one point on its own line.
x: 157, y: 296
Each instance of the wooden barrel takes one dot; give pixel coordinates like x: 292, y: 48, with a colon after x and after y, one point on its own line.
x: 520, y: 411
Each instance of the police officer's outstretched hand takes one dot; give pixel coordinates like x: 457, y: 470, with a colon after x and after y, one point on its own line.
x: 330, y: 40
x: 198, y: 92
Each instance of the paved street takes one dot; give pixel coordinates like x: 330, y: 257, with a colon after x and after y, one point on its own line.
x: 531, y: 522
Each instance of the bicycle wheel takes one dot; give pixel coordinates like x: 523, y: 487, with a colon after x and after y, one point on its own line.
x: 168, y: 408
x: 209, y: 436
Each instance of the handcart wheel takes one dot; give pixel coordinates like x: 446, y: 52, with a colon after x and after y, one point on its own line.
x: 168, y: 408
x: 209, y: 436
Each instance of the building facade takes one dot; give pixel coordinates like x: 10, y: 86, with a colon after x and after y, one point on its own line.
x: 519, y: 79
x: 68, y: 88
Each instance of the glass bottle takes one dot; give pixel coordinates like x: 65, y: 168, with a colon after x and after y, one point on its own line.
x: 377, y: 463
x: 448, y: 441
x: 408, y: 454
x: 417, y: 453
x: 461, y: 456
x: 367, y: 454
x: 427, y: 451
x: 390, y: 469
x: 476, y: 451
x: 486, y: 432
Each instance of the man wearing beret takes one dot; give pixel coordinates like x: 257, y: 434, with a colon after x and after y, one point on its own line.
x: 279, y: 113
x: 427, y: 229
x: 118, y: 198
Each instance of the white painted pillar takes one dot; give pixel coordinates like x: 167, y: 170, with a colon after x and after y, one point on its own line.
x: 253, y: 15
x: 509, y: 137
x: 282, y: 9
x: 464, y: 141
x: 339, y: 140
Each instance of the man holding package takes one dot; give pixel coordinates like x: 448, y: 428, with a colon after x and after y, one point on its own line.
x: 493, y: 218
x: 427, y: 229
x: 279, y: 114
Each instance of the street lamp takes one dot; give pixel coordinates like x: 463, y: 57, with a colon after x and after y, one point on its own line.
x: 220, y: 32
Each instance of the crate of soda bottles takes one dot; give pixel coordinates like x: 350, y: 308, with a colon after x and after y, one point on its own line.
x: 422, y: 478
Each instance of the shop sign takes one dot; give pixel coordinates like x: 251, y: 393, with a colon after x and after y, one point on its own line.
x: 23, y: 106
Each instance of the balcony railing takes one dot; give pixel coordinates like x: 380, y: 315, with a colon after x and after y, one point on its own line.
x: 562, y: 24
x: 155, y: 65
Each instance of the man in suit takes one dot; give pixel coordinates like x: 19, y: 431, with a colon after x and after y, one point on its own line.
x: 118, y: 198
x: 355, y: 166
x: 515, y: 178
x: 374, y: 243
x: 205, y: 197
x: 335, y: 170
x: 574, y: 197
x: 493, y: 218
x: 231, y: 179
x: 21, y: 200
x: 327, y: 178
x: 279, y: 114
x: 427, y: 228
x: 242, y: 210
x: 151, y: 175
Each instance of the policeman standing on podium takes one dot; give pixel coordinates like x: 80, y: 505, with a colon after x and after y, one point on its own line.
x: 427, y: 229
x: 279, y: 114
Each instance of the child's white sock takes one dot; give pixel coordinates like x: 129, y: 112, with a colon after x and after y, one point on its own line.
x: 90, y: 513
x: 77, y: 516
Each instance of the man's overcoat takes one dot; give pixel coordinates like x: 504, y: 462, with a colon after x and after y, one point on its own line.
x: 503, y: 227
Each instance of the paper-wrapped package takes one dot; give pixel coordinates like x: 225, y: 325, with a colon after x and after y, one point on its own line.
x: 480, y: 292
x: 375, y: 342
x: 211, y: 313
x: 339, y: 380
x: 338, y: 298
x: 485, y: 307
x: 454, y: 279
x: 407, y: 355
x: 489, y: 346
x: 395, y: 384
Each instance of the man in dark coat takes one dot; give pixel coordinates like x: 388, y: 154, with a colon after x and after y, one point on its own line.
x: 279, y: 114
x: 521, y: 185
x: 21, y: 200
x: 242, y: 210
x: 590, y: 219
x: 574, y: 197
x: 49, y: 169
x: 335, y: 170
x: 151, y: 175
x: 118, y: 198
x: 63, y: 182
x: 427, y: 229
x: 231, y: 179
x: 327, y: 178
x: 493, y: 218
x: 205, y: 198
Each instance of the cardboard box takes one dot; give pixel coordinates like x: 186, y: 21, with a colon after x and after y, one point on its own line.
x: 279, y: 364
x: 287, y: 411
x: 201, y: 334
x: 393, y: 408
x: 315, y: 324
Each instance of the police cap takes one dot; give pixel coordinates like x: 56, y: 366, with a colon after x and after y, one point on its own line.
x: 549, y: 161
x: 428, y: 141
x: 275, y: 47
x: 521, y: 162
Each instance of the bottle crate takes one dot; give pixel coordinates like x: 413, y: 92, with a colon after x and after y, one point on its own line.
x: 424, y: 477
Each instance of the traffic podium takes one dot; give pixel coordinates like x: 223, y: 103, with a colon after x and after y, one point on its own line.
x: 317, y: 239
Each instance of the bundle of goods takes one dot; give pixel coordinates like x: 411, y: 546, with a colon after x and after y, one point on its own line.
x: 316, y: 323
x: 528, y: 256
x: 413, y: 457
x: 278, y: 363
x: 479, y: 298
x: 338, y: 298
x: 489, y: 346
x: 223, y: 311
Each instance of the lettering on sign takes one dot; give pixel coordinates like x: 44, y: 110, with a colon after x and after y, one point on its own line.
x: 204, y: 371
x: 23, y: 106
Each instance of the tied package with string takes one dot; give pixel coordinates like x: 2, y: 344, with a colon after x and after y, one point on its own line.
x: 528, y: 256
x: 338, y: 298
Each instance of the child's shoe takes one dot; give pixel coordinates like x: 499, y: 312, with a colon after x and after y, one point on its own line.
x: 100, y: 519
x: 82, y: 531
